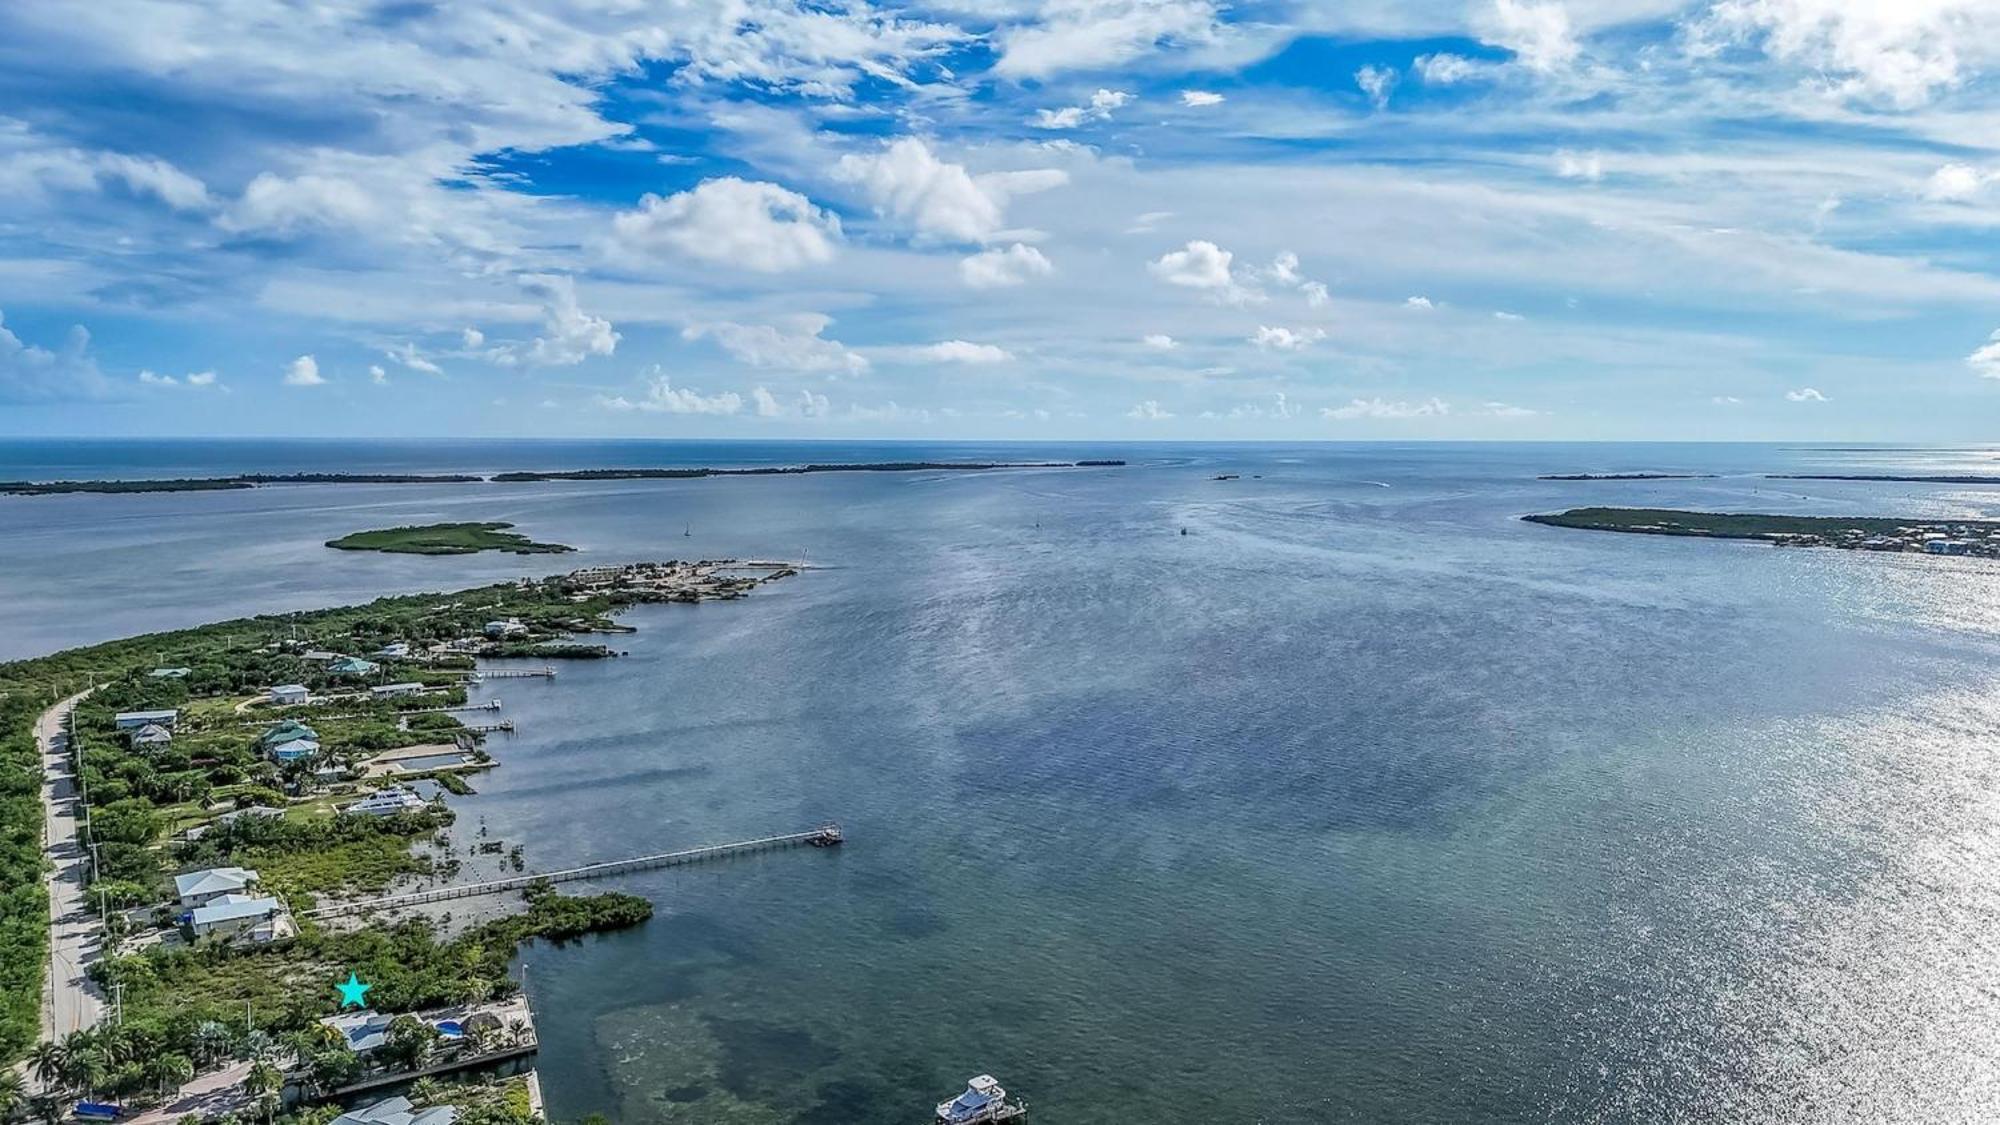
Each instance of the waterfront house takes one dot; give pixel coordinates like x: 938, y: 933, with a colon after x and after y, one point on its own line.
x: 286, y: 695
x: 234, y: 916
x: 152, y: 736
x: 199, y: 888
x: 364, y: 1030
x: 133, y: 720
x: 353, y: 666
x: 295, y: 750
x: 1948, y: 546
x: 393, y: 691
x: 387, y: 802
x: 398, y: 1111
x: 500, y: 630
x: 254, y: 812
x: 397, y: 651
x: 317, y: 655
x: 170, y: 673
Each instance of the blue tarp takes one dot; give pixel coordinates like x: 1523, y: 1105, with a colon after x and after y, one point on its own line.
x: 99, y: 1110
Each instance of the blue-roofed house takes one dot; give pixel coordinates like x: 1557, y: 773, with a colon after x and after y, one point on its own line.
x: 353, y: 666
x: 294, y: 750
x: 364, y: 1030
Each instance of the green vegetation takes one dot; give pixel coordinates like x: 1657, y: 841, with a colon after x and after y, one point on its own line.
x: 1721, y: 525
x: 289, y: 984
x: 138, y: 797
x: 1626, y: 476
x: 446, y: 539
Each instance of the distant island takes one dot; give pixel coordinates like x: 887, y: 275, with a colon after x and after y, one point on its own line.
x: 220, y: 484
x: 256, y: 480
x: 1854, y: 533
x: 794, y: 470
x: 446, y: 539
x: 1626, y: 476
x: 1886, y: 477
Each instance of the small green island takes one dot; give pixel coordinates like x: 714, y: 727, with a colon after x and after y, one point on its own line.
x: 1854, y: 533
x: 447, y: 539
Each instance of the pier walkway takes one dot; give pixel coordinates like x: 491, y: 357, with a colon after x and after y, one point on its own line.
x: 825, y: 836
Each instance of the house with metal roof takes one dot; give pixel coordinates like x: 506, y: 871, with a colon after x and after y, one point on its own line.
x: 286, y: 695
x: 353, y: 666
x: 170, y: 673
x: 257, y: 919
x: 296, y: 750
x: 392, y: 691
x: 199, y: 888
x: 133, y: 720
x: 151, y: 736
x: 398, y: 1111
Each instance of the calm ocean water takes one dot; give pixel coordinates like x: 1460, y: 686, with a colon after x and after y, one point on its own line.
x: 1361, y: 801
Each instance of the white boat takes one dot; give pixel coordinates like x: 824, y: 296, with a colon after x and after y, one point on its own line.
x: 982, y: 1101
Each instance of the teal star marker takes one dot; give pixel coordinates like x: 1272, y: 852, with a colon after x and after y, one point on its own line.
x: 353, y: 992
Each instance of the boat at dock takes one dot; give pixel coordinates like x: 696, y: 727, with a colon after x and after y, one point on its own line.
x: 982, y: 1101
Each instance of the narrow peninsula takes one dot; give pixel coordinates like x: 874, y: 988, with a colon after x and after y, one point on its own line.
x: 264, y: 804
x: 447, y: 539
x: 1853, y: 533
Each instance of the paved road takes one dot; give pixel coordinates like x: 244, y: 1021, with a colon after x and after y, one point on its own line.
x: 70, y: 1001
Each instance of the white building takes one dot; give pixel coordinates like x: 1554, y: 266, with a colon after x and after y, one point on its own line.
x: 294, y: 750
x: 133, y: 720
x: 392, y: 691
x: 285, y: 695
x: 396, y: 651
x: 235, y: 915
x: 199, y: 888
x: 508, y: 628
x: 387, y: 802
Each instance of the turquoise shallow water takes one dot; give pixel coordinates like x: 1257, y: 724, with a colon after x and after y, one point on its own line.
x: 1360, y: 801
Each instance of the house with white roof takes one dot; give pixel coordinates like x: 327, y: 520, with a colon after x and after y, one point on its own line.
x: 199, y: 888
x: 392, y: 691
x: 388, y: 802
x: 253, y: 918
x: 133, y: 720
x: 286, y: 695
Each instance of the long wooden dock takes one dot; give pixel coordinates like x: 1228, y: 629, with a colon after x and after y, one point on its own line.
x: 825, y: 836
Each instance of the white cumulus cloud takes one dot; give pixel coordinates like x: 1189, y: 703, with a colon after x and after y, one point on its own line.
x: 1380, y: 408
x: 998, y: 268
x: 1957, y: 183
x: 1805, y: 394
x: 570, y: 335
x: 939, y: 199
x: 792, y: 343
x: 303, y: 372
x: 1160, y: 342
x: 1420, y: 303
x: 1198, y: 99
x: 1149, y: 411
x: 964, y: 351
x: 1538, y: 34
x: 1376, y: 82
x: 1275, y: 339
x: 730, y: 221
x: 1069, y: 117
x: 662, y: 397
x: 1986, y: 359
x: 1202, y: 265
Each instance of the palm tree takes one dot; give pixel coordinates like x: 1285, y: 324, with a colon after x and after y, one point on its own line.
x: 262, y: 1079
x: 46, y: 1108
x: 48, y: 1062
x: 168, y: 1069
x: 13, y: 1091
x: 212, y: 1041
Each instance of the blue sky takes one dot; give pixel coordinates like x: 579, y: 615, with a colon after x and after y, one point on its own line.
x: 1727, y: 219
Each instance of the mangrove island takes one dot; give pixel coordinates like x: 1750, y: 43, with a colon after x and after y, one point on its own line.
x: 1854, y: 533
x: 446, y: 539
